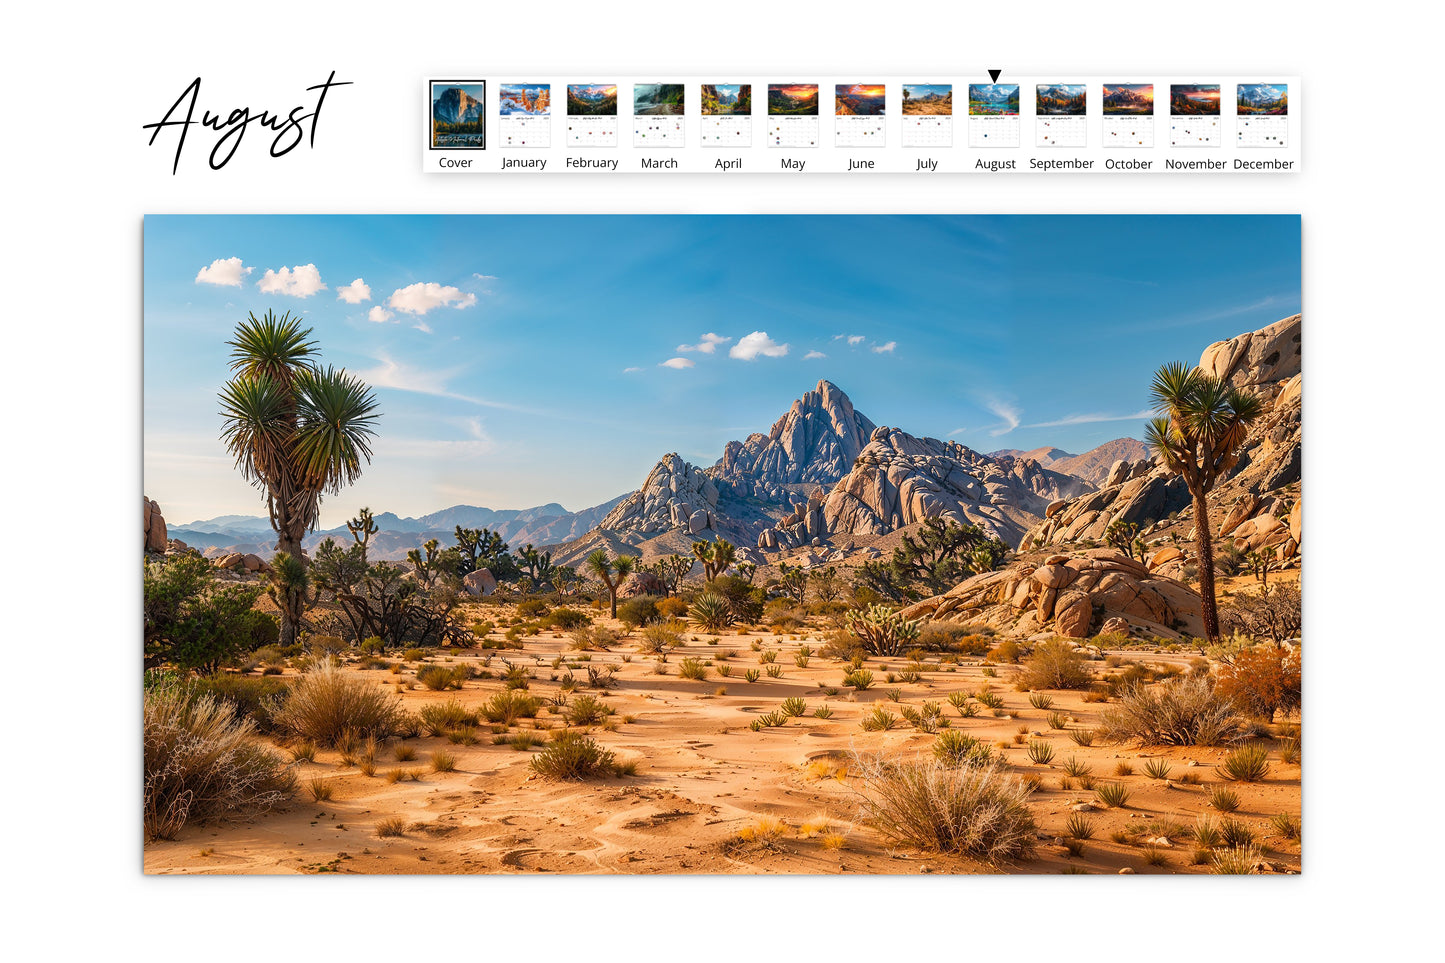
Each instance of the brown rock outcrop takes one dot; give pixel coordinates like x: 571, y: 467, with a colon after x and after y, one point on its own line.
x: 154, y: 530
x: 899, y: 479
x: 1094, y: 588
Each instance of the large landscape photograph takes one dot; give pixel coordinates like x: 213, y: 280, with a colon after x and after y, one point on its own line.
x: 722, y: 544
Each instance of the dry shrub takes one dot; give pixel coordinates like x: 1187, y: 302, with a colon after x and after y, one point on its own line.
x: 326, y: 704
x: 1054, y: 665
x: 201, y: 762
x: 1264, y: 679
x: 974, y: 810
x: 572, y: 755
x: 1181, y: 712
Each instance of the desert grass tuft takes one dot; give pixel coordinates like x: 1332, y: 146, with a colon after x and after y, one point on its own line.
x: 1223, y: 799
x: 1247, y: 763
x: 1157, y: 768
x: 443, y: 761
x: 1115, y: 795
x: 391, y: 826
x: 1238, y: 861
x: 1040, y: 752
x: 1079, y: 826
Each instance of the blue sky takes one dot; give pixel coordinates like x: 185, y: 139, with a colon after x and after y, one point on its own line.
x: 528, y: 359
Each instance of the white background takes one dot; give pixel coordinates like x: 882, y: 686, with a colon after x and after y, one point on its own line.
x: 80, y: 80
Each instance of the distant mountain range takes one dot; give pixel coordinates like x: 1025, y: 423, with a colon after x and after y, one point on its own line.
x: 542, y: 525
x: 1092, y: 466
x: 823, y: 472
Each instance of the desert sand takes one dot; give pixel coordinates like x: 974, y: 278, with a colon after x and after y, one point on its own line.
x: 710, y: 795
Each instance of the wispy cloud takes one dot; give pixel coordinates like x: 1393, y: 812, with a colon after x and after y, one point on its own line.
x: 813, y: 354
x: 677, y: 363
x: 632, y: 370
x: 757, y: 343
x: 399, y: 376
x: 884, y: 348
x: 957, y: 431
x: 1007, y: 413
x: 705, y: 345
x: 1281, y: 302
x: 223, y: 271
x: 1089, y: 419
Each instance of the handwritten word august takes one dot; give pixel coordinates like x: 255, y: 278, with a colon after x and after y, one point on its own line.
x: 291, y: 128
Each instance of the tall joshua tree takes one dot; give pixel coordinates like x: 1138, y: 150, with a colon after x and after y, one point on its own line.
x: 715, y: 556
x: 611, y: 572
x: 1197, y: 435
x: 297, y: 430
x: 362, y: 528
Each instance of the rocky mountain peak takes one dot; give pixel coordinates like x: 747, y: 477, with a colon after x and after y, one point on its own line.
x: 676, y: 495
x: 814, y: 443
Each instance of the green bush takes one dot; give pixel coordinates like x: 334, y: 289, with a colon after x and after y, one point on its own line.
x: 194, y: 621
x: 641, y: 610
x: 532, y: 608
x: 567, y: 619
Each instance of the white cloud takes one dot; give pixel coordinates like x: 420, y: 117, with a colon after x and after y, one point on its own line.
x: 678, y: 363
x: 1009, y: 413
x: 378, y: 314
x: 884, y: 348
x: 707, y: 345
x: 355, y: 292
x: 957, y: 431
x: 300, y: 281
x: 854, y: 339
x: 813, y: 354
x: 225, y: 271
x: 755, y: 344
x: 485, y: 277
x: 422, y: 297
x: 423, y: 327
x: 631, y: 370
x: 1092, y: 418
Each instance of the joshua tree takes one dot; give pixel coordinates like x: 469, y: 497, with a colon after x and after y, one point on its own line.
x: 289, y: 588
x: 362, y: 528
x: 794, y: 581
x: 826, y: 583
x: 1124, y: 536
x: 672, y: 569
x: 715, y: 557
x: 611, y: 572
x: 1197, y: 435
x: 297, y: 430
x: 538, y: 564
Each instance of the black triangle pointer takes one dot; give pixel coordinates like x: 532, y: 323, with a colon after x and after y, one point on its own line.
x: 994, y: 74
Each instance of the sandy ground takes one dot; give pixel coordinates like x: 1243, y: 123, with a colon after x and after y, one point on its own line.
x: 703, y: 777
